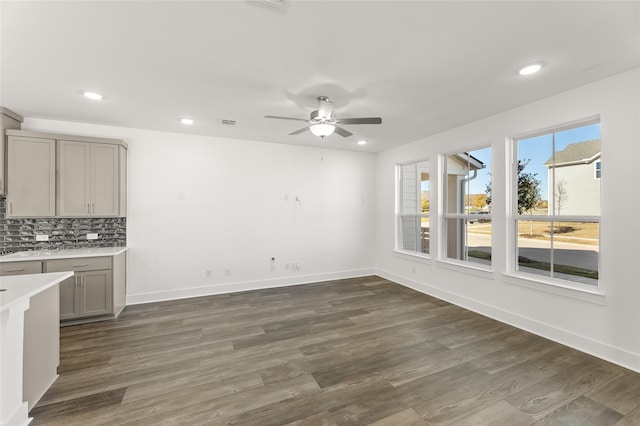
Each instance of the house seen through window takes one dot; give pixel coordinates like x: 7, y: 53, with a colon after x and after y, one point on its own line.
x: 557, y: 203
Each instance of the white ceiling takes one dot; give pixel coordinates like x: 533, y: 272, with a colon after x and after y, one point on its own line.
x: 422, y: 66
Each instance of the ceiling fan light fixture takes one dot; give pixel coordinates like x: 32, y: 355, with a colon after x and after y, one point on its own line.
x: 322, y: 129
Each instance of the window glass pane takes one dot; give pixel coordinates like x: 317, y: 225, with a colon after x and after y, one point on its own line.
x: 414, y: 207
x: 469, y: 240
x: 563, y: 250
x: 409, y: 201
x: 534, y: 247
x: 456, y: 238
x: 556, y: 172
x: 468, y: 181
x: 479, y: 181
x: 532, y: 177
x: 415, y: 188
x: 575, y: 251
x: 415, y: 236
x: 479, y: 241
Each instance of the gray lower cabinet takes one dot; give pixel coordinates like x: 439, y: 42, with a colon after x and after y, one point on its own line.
x: 86, y: 294
x: 96, y: 292
x: 89, y: 292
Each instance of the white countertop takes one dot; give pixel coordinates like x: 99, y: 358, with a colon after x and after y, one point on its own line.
x: 20, y: 287
x: 62, y: 254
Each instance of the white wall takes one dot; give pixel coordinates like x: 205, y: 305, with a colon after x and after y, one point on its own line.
x: 234, y: 214
x: 608, y: 324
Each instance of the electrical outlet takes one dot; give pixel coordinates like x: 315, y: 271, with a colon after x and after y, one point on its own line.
x: 227, y: 271
x: 92, y: 236
x: 207, y: 273
x: 42, y: 237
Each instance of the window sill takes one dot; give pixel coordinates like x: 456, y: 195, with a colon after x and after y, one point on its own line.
x: 466, y: 267
x: 559, y: 288
x: 413, y: 256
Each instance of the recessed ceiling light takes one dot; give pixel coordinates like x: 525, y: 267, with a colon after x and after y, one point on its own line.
x: 92, y: 95
x: 186, y: 121
x: 362, y: 142
x: 530, y: 69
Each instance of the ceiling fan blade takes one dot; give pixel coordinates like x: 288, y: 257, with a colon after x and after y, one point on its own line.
x: 343, y: 132
x: 286, y: 118
x: 325, y: 107
x: 297, y: 132
x: 365, y: 120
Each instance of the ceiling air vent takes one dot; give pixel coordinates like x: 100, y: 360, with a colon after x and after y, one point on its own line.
x: 227, y: 122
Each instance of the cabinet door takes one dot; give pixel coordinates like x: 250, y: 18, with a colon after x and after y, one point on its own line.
x: 96, y: 293
x: 8, y: 120
x: 105, y: 174
x: 69, y: 301
x: 74, y: 160
x: 31, y: 177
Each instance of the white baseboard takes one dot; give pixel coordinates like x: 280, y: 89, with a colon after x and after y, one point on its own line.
x: 582, y: 343
x: 235, y: 287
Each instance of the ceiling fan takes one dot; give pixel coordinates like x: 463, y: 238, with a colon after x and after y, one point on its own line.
x: 323, y: 123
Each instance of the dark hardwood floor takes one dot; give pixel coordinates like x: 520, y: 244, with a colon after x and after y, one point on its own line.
x: 349, y: 352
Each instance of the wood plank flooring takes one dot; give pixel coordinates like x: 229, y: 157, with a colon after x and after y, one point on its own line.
x: 361, y: 351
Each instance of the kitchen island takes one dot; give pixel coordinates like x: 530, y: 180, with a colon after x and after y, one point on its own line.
x: 29, y: 341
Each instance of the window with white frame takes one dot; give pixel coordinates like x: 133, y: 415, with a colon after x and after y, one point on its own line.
x: 467, y: 214
x: 556, y: 203
x: 413, y: 207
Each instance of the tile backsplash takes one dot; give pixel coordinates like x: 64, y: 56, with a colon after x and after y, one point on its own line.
x: 64, y: 233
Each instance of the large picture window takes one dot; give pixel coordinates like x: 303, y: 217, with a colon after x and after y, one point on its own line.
x: 467, y: 215
x: 413, y: 208
x: 556, y: 206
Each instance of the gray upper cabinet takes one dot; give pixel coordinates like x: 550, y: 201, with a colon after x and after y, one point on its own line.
x: 8, y: 120
x: 88, y: 182
x: 88, y: 175
x: 31, y: 177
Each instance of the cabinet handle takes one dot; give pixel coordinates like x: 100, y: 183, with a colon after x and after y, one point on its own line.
x: 76, y: 278
x: 93, y: 208
x: 88, y: 208
x: 79, y: 266
x: 15, y: 270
